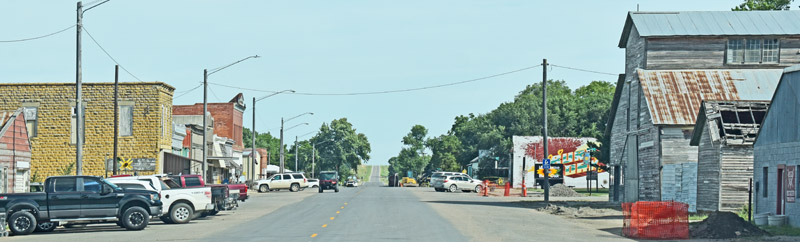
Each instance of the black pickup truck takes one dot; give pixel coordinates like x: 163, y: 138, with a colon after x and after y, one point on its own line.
x: 78, y: 199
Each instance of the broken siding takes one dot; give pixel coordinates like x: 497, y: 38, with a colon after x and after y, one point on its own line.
x: 708, y: 165
x: 736, y: 171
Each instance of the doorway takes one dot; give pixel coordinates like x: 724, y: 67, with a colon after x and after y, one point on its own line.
x: 779, y: 193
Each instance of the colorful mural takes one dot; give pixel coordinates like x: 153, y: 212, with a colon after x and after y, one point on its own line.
x: 573, y: 153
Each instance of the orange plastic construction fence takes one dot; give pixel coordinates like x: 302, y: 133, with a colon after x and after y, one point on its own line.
x: 655, y: 220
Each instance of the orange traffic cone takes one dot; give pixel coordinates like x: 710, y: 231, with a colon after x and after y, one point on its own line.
x: 524, y: 190
x: 508, y: 189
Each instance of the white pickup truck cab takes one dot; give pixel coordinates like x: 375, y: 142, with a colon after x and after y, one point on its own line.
x: 180, y: 205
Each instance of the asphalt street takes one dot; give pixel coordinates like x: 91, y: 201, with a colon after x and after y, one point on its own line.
x: 370, y: 212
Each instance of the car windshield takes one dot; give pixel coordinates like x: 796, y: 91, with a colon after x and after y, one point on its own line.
x: 327, y: 176
x: 115, y: 187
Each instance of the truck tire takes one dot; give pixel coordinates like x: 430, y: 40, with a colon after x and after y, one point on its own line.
x: 336, y: 189
x: 263, y: 188
x: 295, y: 187
x: 46, y: 227
x: 135, y: 218
x: 22, y: 223
x: 320, y: 189
x: 181, y: 213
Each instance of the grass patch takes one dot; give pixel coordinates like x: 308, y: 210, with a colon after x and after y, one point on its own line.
x: 698, y: 216
x: 364, y: 171
x: 602, y: 192
x: 782, y: 230
x: 384, y: 174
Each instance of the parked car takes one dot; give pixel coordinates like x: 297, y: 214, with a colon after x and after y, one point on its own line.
x: 437, y: 179
x: 408, y: 182
x: 351, y: 182
x: 237, y: 191
x: 462, y: 183
x: 292, y: 181
x: 328, y: 180
x: 180, y: 204
x: 220, y: 194
x: 65, y: 199
x: 313, y: 183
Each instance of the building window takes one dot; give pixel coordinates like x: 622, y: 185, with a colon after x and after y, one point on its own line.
x: 770, y: 51
x: 74, y: 128
x: 31, y: 120
x: 753, y: 51
x: 764, y: 180
x: 126, y: 120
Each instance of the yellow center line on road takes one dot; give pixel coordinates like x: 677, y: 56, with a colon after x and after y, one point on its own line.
x: 342, y: 207
x: 345, y: 203
x: 332, y: 218
x: 337, y: 212
x: 313, y: 235
x: 325, y: 225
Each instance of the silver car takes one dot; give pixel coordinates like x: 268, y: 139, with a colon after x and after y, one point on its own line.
x: 437, y: 179
x: 463, y: 183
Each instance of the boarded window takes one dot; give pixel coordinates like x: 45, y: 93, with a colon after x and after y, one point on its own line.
x: 31, y: 121
x: 764, y: 180
x: 126, y: 120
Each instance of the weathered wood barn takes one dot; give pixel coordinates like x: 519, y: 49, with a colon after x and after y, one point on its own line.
x: 724, y: 134
x: 776, y: 151
x: 674, y: 61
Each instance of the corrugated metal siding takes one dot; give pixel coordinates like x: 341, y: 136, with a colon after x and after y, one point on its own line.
x: 717, y: 23
x: 674, y: 96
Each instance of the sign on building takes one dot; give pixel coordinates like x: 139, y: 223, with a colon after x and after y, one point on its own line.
x: 791, y: 180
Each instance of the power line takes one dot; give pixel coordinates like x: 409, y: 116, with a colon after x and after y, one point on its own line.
x: 215, y: 95
x: 38, y: 37
x: 584, y: 70
x: 388, y: 91
x: 109, y: 55
x: 187, y: 92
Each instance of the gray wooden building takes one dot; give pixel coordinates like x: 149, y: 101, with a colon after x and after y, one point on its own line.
x: 777, y: 152
x: 725, y: 133
x: 674, y: 61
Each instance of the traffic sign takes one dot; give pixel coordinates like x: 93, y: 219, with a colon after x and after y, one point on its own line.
x: 546, y: 164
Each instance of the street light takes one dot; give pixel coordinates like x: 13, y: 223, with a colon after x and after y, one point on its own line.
x: 314, y: 155
x: 253, y: 147
x: 296, y: 149
x: 281, y: 148
x: 78, y: 86
x: 205, y: 108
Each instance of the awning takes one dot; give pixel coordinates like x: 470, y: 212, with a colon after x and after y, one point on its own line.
x: 219, y: 161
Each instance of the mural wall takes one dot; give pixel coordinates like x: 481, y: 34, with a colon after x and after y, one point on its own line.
x: 569, y: 151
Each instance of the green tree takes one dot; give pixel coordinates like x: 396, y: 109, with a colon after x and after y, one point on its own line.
x: 412, y: 156
x: 753, y: 5
x: 264, y: 141
x: 444, y: 149
x: 340, y: 147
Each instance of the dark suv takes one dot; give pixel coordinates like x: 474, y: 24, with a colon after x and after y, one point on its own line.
x: 328, y: 181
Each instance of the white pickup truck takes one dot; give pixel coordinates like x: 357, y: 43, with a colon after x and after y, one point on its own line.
x: 179, y: 204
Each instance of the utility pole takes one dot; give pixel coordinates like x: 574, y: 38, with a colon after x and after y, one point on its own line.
x: 281, y: 168
x: 296, y: 169
x: 205, y: 127
x: 253, y: 147
x: 116, y: 118
x: 544, y: 129
x: 78, y: 96
x: 313, y: 157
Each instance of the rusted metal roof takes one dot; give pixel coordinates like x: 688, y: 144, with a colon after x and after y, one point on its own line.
x: 674, y: 96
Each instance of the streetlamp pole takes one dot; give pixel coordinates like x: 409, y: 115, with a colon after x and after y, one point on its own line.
x: 296, y: 169
x: 313, y: 158
x: 281, y: 148
x: 253, y: 152
x: 205, y: 109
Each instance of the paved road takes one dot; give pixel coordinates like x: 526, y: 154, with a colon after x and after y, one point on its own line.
x: 370, y: 212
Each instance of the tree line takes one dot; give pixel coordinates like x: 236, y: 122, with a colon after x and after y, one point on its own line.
x: 582, y: 112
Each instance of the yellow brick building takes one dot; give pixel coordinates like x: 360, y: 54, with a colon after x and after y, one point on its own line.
x: 145, y: 124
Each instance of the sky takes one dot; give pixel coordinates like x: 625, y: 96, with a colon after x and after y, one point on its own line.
x: 330, y: 47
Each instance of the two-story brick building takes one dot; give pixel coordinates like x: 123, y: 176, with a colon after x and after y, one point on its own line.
x: 673, y: 62
x: 145, y: 130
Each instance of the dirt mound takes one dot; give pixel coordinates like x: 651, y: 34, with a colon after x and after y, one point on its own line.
x: 560, y: 190
x: 577, y: 211
x: 724, y: 225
